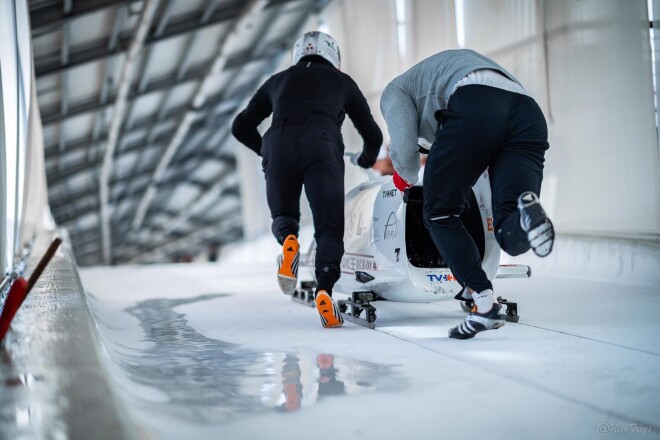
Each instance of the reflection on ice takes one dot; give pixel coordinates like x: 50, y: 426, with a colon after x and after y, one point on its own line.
x: 212, y: 381
x: 326, y: 380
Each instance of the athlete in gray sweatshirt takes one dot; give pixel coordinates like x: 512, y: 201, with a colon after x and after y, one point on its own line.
x: 470, y: 115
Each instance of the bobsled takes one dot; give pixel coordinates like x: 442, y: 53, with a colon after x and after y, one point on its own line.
x: 389, y: 253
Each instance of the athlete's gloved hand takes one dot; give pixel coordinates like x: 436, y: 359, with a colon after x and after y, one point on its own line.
x: 365, y: 162
x: 400, y: 182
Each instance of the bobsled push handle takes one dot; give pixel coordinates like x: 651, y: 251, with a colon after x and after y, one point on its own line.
x: 406, y: 195
x: 352, y: 157
x: 513, y: 271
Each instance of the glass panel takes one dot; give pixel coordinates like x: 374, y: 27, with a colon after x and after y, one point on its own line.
x: 24, y: 77
x: 8, y: 75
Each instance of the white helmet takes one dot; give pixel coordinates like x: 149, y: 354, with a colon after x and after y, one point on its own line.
x: 317, y: 43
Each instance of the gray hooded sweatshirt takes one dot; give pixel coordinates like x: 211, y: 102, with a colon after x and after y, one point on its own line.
x: 410, y: 101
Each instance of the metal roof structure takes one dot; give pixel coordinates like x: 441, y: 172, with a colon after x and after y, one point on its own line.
x: 136, y: 101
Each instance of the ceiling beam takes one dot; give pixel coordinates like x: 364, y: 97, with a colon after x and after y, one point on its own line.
x: 99, y: 117
x: 192, y: 247
x: 90, y: 235
x: 52, y: 17
x: 223, y: 131
x: 248, y: 12
x: 52, y: 113
x: 294, y: 31
x: 197, y: 243
x: 67, y: 173
x: 230, y: 190
x: 182, y: 64
x: 59, y: 205
x: 211, y: 232
x: 179, y: 167
x: 149, y: 9
x: 123, y: 228
x: 83, y: 143
x: 207, y: 196
x: 97, y: 50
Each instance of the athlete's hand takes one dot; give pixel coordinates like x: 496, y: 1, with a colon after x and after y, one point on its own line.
x: 400, y: 182
x: 364, y: 162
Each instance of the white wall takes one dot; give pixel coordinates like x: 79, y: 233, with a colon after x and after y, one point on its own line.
x: 603, y: 130
x: 588, y: 64
x: 36, y: 212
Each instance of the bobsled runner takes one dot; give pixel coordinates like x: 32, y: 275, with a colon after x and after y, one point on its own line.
x: 389, y: 253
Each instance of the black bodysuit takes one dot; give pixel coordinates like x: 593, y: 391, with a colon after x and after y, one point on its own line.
x: 304, y: 146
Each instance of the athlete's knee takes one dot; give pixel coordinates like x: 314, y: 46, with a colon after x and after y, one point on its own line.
x: 511, y: 243
x: 509, y: 234
x: 442, y: 220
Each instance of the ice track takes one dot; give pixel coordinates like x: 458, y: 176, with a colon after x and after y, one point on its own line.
x: 216, y: 351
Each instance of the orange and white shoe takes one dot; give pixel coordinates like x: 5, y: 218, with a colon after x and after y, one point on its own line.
x: 287, y: 272
x: 330, y: 316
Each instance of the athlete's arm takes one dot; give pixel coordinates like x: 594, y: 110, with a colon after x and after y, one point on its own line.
x: 400, y: 115
x: 358, y: 110
x: 246, y: 122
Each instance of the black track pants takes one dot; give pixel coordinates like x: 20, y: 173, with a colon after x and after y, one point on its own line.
x: 483, y: 127
x: 308, y: 154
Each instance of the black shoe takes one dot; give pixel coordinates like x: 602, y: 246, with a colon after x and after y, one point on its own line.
x: 537, y: 225
x: 478, y: 322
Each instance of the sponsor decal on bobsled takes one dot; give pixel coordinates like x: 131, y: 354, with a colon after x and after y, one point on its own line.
x: 358, y: 262
x: 389, y: 193
x: 441, y: 278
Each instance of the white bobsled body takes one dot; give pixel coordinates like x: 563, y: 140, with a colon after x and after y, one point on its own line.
x: 389, y: 251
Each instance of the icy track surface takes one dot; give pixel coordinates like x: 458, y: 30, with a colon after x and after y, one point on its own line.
x: 216, y: 351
